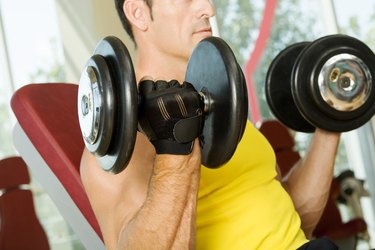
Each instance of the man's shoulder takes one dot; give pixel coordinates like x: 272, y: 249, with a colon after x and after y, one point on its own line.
x: 139, y: 166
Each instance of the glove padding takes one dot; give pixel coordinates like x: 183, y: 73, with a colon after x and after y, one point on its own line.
x: 170, y: 114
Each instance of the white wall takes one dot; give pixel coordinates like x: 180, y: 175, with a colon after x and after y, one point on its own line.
x: 82, y: 24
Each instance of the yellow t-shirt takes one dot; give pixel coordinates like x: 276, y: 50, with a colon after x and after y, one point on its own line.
x: 242, y: 206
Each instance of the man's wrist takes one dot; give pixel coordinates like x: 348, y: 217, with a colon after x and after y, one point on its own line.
x: 173, y: 147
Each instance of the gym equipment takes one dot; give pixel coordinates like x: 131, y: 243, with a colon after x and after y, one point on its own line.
x: 48, y: 137
x: 351, y: 191
x: 214, y: 71
x: 20, y: 226
x: 108, y: 102
x: 327, y: 83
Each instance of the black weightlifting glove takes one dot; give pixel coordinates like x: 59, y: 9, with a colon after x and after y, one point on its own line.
x: 170, y: 114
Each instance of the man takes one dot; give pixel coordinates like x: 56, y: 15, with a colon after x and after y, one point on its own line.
x: 164, y: 199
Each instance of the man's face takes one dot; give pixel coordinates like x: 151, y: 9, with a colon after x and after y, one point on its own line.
x: 178, y: 25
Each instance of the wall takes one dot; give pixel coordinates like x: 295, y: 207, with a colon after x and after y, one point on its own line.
x: 82, y: 24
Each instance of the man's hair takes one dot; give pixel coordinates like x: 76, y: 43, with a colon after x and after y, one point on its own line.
x: 124, y: 20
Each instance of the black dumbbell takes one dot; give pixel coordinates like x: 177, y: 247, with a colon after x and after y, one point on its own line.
x: 108, y: 102
x: 327, y: 83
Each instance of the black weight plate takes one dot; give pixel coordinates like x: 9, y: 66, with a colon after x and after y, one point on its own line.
x: 305, y: 88
x: 126, y: 100
x: 213, y: 68
x: 107, y: 110
x: 278, y: 89
x: 243, y: 83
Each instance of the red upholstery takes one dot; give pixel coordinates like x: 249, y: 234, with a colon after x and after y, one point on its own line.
x: 48, y: 115
x: 19, y: 226
x: 282, y: 143
x: 286, y: 160
x: 13, y: 172
x: 277, y: 135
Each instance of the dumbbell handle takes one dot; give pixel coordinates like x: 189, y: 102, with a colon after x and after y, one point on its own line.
x: 207, y: 101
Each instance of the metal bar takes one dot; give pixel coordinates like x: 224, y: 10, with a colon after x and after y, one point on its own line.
x: 5, y: 58
x: 330, y: 17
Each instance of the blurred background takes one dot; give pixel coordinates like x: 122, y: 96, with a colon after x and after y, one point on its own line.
x: 50, y: 41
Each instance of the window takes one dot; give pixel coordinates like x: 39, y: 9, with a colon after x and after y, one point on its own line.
x: 31, y: 44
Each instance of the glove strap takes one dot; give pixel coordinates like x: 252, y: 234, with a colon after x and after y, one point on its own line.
x: 186, y: 130
x: 171, y: 147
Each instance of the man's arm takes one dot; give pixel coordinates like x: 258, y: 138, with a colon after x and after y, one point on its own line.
x: 166, y: 220
x: 167, y: 217
x: 125, y: 204
x: 152, y: 203
x: 308, y: 183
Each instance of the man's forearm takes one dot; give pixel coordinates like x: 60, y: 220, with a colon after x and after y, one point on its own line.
x: 309, y: 181
x: 186, y: 233
x: 168, y: 207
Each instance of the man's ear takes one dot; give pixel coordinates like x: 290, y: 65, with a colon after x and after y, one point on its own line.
x: 138, y: 13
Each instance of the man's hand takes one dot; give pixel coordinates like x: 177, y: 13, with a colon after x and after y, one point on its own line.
x: 170, y: 115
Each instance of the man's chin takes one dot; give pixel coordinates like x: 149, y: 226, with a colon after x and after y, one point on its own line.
x: 202, y: 35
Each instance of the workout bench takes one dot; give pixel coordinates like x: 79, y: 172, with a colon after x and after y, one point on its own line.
x: 49, y: 140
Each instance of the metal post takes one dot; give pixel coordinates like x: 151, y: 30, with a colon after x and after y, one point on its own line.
x: 5, y: 62
x: 330, y: 18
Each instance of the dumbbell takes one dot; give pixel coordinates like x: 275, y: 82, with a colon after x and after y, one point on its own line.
x: 327, y: 84
x: 108, y: 102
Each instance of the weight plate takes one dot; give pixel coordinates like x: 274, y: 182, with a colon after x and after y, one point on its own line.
x: 96, y: 105
x: 121, y: 70
x: 278, y: 89
x: 243, y: 83
x: 214, y: 71
x: 315, y: 74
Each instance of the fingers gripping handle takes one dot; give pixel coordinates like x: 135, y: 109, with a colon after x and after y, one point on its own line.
x: 170, y: 115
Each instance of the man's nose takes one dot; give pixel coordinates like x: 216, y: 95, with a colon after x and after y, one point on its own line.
x: 206, y: 9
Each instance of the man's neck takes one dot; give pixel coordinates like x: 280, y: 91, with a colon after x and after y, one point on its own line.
x: 159, y: 65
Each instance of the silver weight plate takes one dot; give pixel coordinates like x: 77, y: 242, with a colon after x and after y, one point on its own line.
x: 96, y: 106
x: 345, y: 82
x: 89, y: 105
